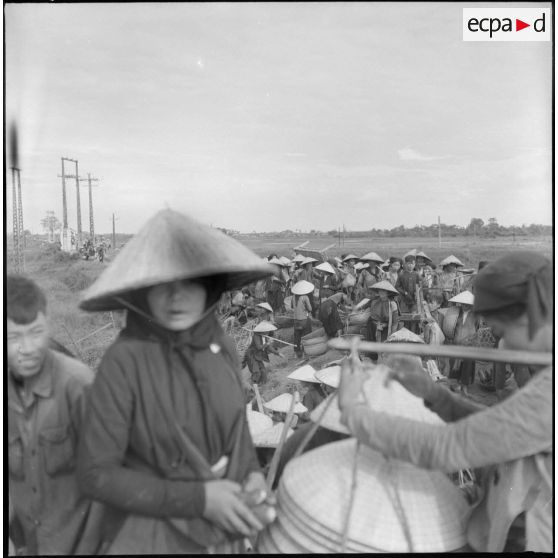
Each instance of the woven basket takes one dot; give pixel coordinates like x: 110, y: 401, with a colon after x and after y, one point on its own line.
x: 320, y: 332
x: 316, y: 349
x: 353, y: 329
x: 314, y: 341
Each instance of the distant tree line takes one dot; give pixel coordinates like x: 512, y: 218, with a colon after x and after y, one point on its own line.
x: 476, y: 228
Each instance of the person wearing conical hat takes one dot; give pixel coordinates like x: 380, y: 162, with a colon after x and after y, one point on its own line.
x: 165, y: 434
x: 264, y: 312
x: 308, y: 273
x: 448, y: 277
x: 275, y: 288
x: 302, y: 293
x: 394, y: 268
x: 466, y: 327
x: 511, y: 442
x: 384, y: 314
x: 406, y: 284
x: 258, y: 351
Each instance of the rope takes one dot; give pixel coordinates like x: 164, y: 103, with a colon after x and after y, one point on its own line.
x: 352, y: 493
x: 398, y: 507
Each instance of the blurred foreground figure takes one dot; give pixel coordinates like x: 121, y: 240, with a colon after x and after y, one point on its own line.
x: 46, y: 391
x: 511, y: 441
x: 166, y: 442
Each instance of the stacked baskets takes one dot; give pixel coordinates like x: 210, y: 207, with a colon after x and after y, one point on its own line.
x: 315, y: 343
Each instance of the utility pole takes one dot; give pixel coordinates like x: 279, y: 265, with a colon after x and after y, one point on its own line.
x: 113, y: 232
x: 65, y: 206
x: 91, y: 219
x: 17, y: 222
x: 439, y: 233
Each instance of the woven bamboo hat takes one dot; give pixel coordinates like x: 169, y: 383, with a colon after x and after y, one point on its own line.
x: 384, y: 286
x: 451, y: 260
x: 264, y: 327
x: 282, y: 402
x: 330, y: 376
x: 350, y: 257
x: 270, y: 438
x: 396, y: 506
x: 328, y: 415
x: 276, y: 261
x: 372, y: 257
x: 302, y: 288
x: 298, y: 258
x: 265, y: 305
x: 412, y: 252
x: 304, y: 374
x: 465, y: 297
x: 286, y: 262
x: 170, y: 247
x: 404, y: 335
x: 308, y: 260
x: 258, y: 422
x: 424, y: 256
x: 326, y: 268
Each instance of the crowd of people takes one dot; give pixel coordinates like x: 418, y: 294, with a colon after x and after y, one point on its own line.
x: 152, y: 454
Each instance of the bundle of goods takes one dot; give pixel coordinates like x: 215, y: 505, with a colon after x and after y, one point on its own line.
x: 315, y: 343
x: 346, y: 497
x: 359, y: 317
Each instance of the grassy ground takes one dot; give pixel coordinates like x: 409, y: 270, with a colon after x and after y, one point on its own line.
x: 88, y: 335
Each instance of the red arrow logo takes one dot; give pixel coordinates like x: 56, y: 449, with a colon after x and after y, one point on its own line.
x: 519, y: 25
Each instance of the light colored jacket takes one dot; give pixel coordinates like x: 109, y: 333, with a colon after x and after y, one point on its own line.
x: 512, y: 440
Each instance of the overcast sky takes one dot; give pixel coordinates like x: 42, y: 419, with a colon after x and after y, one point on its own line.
x: 266, y: 116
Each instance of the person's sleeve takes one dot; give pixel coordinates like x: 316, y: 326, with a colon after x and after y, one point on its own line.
x: 518, y: 427
x: 307, y: 304
x: 103, y: 443
x: 451, y: 407
x: 399, y: 286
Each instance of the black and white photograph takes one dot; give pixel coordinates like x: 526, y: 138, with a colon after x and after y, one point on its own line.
x: 279, y: 277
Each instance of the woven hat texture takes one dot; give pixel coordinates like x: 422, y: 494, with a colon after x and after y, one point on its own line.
x: 169, y: 247
x: 326, y: 267
x: 307, y: 260
x: 372, y: 257
x: 264, y: 327
x: 257, y: 422
x: 350, y: 257
x: 386, y: 286
x: 270, y: 438
x: 404, y: 335
x: 282, y: 402
x: 450, y: 260
x: 465, y: 297
x: 265, y: 305
x: 313, y: 499
x: 329, y: 376
x: 304, y: 374
x: 302, y: 288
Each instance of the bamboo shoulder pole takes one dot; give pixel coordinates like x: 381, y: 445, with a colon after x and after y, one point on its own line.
x: 452, y: 351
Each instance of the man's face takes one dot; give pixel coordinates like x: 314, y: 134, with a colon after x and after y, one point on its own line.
x: 27, y: 346
x: 409, y: 266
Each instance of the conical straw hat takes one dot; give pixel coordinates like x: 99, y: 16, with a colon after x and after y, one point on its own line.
x: 308, y: 260
x: 169, y: 247
x: 298, y: 258
x: 332, y: 417
x: 265, y: 305
x: 264, y: 327
x: 326, y: 268
x: 465, y: 297
x: 451, y: 260
x: 384, y: 286
x: 282, y: 402
x: 302, y: 288
x: 372, y: 257
x: 329, y: 376
x: 423, y: 255
x: 304, y: 374
x: 258, y: 422
x: 276, y: 261
x: 286, y: 262
x: 314, y: 494
x: 350, y: 257
x: 358, y: 266
x: 404, y: 335
x: 270, y: 438
x: 412, y: 252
